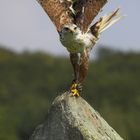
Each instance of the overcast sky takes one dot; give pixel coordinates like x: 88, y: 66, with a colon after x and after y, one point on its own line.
x: 25, y: 26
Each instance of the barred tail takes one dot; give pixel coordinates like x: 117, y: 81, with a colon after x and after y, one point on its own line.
x: 105, y: 22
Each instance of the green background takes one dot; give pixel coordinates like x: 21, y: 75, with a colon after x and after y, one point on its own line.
x: 29, y: 82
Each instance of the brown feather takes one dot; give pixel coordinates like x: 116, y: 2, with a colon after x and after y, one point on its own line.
x: 86, y: 11
x: 58, y: 12
x: 84, y: 64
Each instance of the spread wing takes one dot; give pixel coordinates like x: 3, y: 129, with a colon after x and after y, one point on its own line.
x: 58, y: 11
x: 86, y: 11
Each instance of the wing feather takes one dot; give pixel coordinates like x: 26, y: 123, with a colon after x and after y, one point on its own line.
x: 58, y: 11
x: 86, y: 11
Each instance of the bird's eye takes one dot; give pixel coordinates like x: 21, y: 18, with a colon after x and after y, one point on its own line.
x: 75, y: 28
x: 66, y: 28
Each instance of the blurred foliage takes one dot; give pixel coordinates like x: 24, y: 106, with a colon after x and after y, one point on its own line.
x: 30, y: 81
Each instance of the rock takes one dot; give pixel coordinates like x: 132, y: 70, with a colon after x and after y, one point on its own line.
x: 72, y: 118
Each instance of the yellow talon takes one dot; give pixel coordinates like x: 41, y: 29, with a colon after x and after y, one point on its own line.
x: 73, y: 90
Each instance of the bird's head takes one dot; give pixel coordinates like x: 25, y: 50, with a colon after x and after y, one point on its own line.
x: 70, y: 29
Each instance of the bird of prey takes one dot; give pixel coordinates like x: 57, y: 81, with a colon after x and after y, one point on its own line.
x: 73, y: 19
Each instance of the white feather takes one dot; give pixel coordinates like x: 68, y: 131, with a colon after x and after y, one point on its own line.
x: 109, y: 24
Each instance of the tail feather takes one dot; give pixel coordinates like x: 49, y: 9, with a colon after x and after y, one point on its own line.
x: 105, y: 22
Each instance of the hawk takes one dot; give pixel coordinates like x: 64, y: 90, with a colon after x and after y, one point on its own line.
x: 73, y: 19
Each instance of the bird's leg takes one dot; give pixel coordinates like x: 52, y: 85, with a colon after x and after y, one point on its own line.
x: 84, y: 62
x: 74, y: 58
x: 74, y: 89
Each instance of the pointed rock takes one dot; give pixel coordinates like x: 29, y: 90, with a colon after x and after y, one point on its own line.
x: 72, y: 118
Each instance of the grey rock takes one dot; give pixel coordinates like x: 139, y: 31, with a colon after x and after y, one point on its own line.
x: 72, y: 118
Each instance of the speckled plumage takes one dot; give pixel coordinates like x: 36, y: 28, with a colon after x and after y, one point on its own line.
x: 61, y: 14
x: 75, y: 40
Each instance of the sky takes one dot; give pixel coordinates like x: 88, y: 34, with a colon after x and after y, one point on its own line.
x: 25, y: 26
